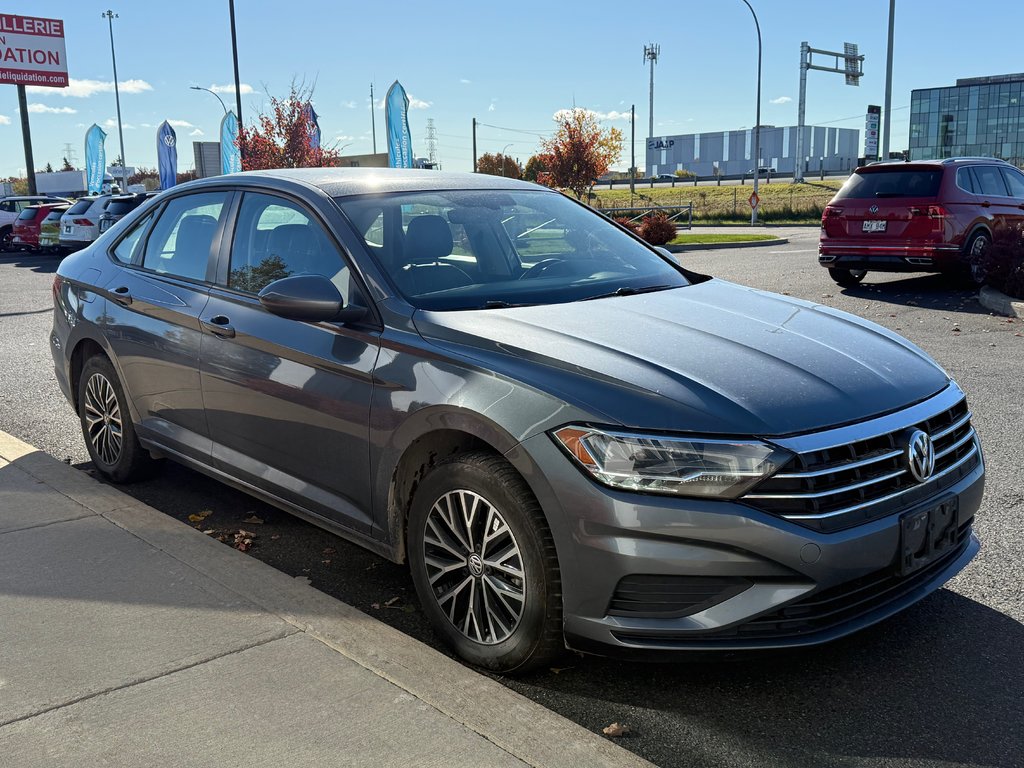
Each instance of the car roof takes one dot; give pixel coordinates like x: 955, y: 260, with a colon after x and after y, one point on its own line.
x: 342, y: 182
x: 936, y: 163
x: 33, y: 197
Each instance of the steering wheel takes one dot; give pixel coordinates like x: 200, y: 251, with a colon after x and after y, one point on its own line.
x: 540, y: 268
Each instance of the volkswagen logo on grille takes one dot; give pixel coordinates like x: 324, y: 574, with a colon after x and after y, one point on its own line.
x: 873, y: 209
x: 920, y: 456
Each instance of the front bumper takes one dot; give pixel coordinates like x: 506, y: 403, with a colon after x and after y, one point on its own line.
x: 798, y: 586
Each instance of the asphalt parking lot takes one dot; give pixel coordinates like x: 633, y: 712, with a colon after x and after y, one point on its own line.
x: 939, y: 685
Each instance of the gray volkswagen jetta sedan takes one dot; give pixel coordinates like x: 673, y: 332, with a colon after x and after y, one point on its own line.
x: 570, y: 439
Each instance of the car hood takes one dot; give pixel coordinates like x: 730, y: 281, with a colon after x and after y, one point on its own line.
x: 713, y: 357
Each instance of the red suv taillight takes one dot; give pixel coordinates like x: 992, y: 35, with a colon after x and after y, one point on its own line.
x: 936, y: 213
x: 830, y: 212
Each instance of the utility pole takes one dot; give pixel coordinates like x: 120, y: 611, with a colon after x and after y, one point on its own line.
x: 474, y: 145
x: 373, y: 120
x: 30, y: 168
x: 651, y: 53
x: 757, y: 120
x: 888, y: 83
x: 110, y: 16
x: 632, y: 152
x: 238, y: 82
x: 853, y: 68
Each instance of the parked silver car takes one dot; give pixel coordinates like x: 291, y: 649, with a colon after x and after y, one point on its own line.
x: 80, y: 224
x: 569, y: 438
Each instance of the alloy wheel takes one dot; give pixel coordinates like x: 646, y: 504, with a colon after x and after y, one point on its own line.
x: 103, y: 419
x: 474, y: 566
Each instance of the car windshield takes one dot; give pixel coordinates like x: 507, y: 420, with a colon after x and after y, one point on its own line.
x: 891, y: 182
x: 483, y: 249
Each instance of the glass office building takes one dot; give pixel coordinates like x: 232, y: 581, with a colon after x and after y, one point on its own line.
x: 977, y: 117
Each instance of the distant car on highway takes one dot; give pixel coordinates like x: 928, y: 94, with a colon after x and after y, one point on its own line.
x: 571, y: 439
x: 921, y: 216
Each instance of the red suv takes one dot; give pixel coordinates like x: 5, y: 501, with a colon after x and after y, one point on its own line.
x: 924, y: 216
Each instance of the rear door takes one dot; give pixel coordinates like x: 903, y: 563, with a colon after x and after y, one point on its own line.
x: 886, y: 205
x: 994, y: 197
x: 288, y: 402
x: 1015, y: 186
x: 155, y: 302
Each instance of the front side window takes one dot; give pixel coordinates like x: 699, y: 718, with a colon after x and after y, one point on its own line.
x: 274, y: 239
x: 182, y: 237
x: 1014, y: 181
x: 465, y: 249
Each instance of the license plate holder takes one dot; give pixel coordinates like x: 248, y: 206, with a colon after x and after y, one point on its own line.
x: 874, y: 225
x: 926, y: 535
x: 67, y: 229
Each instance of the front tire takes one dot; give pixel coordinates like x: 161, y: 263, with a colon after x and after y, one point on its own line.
x: 847, y: 277
x: 107, y: 424
x: 484, y: 564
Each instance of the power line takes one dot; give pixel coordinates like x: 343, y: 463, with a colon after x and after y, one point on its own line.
x: 542, y: 134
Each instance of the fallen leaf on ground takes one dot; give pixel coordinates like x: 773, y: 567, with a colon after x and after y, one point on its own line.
x: 209, y: 531
x: 559, y: 670
x: 200, y: 516
x: 328, y: 551
x: 375, y: 606
x: 392, y: 601
x: 615, y: 729
x: 275, y: 537
x: 254, y: 520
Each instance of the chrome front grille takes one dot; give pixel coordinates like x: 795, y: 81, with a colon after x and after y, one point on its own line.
x: 832, y: 485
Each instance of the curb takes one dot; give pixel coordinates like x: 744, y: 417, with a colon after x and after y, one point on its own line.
x: 1000, y: 303
x: 521, y: 727
x: 679, y: 248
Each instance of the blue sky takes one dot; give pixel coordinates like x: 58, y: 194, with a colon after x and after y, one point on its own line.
x: 510, y: 65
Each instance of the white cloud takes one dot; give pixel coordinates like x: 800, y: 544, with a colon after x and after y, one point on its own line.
x: 341, y: 137
x: 230, y: 88
x: 493, y: 105
x: 5, y: 120
x: 197, y: 132
x: 83, y: 89
x: 348, y: 104
x: 613, y: 115
x: 180, y: 124
x: 781, y: 100
x: 415, y: 103
x: 112, y: 123
x: 145, y: 125
x: 38, y: 109
x: 464, y: 81
x: 562, y: 114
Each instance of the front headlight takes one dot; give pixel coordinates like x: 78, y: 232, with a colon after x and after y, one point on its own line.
x: 678, y: 465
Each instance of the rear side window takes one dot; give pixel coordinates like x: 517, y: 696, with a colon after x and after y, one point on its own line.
x: 28, y: 214
x: 182, y: 237
x: 7, y: 206
x: 126, y: 249
x: 55, y: 215
x: 873, y: 185
x: 988, y: 180
x: 80, y: 207
x: 121, y: 207
x: 1014, y: 181
x: 964, y: 180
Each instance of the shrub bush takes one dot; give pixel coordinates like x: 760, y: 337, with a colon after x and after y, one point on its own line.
x: 657, y: 229
x: 1002, y: 262
x: 628, y: 223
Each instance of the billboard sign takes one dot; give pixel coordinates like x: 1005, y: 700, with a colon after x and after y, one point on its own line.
x: 32, y: 51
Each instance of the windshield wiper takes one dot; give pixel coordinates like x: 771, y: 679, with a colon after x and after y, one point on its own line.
x: 630, y: 291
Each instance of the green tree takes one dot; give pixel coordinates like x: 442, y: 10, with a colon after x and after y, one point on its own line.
x: 535, y: 166
x: 68, y: 166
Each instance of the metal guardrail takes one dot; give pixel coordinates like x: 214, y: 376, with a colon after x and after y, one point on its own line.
x: 637, y: 213
x: 694, y: 180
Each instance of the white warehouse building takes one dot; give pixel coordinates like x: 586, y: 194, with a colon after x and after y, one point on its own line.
x: 731, y: 152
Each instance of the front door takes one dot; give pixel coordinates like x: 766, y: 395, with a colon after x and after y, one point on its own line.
x: 288, y: 402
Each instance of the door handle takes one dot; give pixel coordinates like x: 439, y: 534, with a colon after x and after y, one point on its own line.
x: 219, y: 325
x: 123, y: 296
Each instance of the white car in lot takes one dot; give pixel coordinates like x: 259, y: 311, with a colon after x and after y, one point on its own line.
x: 12, y: 206
x: 80, y: 224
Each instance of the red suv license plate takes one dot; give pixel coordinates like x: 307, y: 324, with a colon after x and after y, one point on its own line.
x: 926, y: 535
x: 874, y: 226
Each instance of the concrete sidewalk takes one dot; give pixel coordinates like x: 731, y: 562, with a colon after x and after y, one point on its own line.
x: 130, y: 639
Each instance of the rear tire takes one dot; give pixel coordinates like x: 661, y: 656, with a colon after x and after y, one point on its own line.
x: 847, y: 277
x: 974, y: 270
x: 107, y: 424
x: 484, y: 564
x: 5, y: 239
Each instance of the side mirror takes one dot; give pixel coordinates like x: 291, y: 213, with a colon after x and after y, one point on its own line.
x: 312, y: 298
x: 665, y: 252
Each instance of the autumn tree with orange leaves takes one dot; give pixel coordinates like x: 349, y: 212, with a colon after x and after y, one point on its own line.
x: 281, y: 136
x: 498, y: 164
x: 579, y: 152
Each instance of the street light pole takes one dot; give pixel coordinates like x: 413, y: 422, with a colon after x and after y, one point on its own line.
x: 503, y: 151
x: 238, y: 82
x: 110, y: 16
x: 757, y: 123
x: 888, y: 83
x: 200, y: 88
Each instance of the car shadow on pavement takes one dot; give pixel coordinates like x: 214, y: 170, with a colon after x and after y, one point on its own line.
x: 942, y: 292
x: 938, y: 684
x: 38, y: 262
